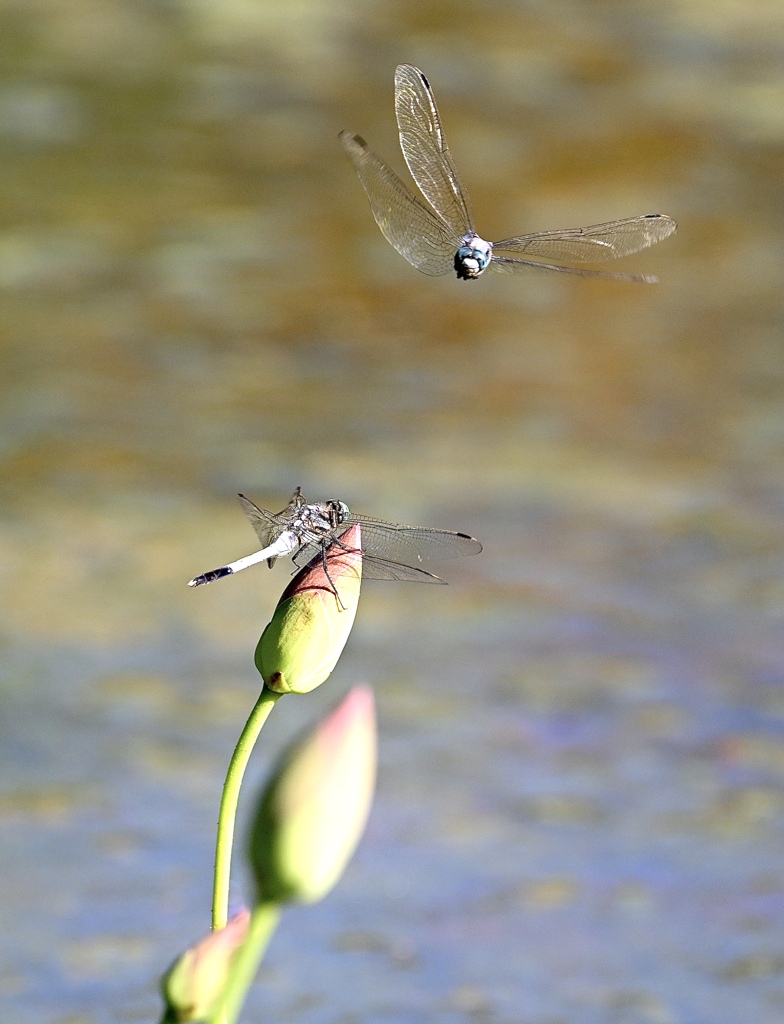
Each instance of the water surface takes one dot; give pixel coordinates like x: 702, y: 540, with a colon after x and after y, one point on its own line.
x: 579, y: 814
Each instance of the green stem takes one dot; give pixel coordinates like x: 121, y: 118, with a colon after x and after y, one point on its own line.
x: 228, y: 808
x: 263, y: 922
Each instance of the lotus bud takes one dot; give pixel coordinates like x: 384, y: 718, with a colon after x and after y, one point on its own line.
x: 195, y: 981
x: 313, y: 811
x: 301, y: 645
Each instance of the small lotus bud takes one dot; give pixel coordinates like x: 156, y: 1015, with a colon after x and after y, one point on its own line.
x: 193, y: 984
x: 313, y: 811
x: 301, y: 645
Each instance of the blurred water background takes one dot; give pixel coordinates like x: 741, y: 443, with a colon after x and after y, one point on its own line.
x: 580, y: 811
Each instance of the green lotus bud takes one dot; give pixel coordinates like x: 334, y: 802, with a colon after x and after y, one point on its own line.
x: 193, y: 984
x: 313, y: 811
x: 301, y: 645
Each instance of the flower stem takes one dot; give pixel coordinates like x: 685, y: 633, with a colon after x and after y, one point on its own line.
x: 262, y: 924
x: 228, y: 808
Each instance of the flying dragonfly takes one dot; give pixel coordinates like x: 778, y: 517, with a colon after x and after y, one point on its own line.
x: 304, y: 531
x: 440, y: 237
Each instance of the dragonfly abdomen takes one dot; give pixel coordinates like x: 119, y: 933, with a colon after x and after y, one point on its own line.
x: 211, y: 576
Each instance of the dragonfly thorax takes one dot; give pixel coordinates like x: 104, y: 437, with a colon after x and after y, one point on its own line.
x: 472, y: 258
x: 318, y: 520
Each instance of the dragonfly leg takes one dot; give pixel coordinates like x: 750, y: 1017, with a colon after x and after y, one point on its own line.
x: 324, y: 563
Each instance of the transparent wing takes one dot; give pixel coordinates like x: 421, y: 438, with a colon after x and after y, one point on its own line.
x: 405, y: 221
x: 266, y: 525
x: 426, y: 152
x: 373, y: 568
x: 384, y: 569
x: 596, y: 243
x: 411, y: 545
x: 507, y: 264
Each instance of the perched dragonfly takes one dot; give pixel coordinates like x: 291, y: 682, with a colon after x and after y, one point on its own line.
x: 441, y: 237
x: 303, y: 530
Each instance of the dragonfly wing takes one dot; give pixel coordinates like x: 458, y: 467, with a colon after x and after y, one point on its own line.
x: 374, y: 568
x: 384, y: 569
x: 426, y: 152
x: 266, y: 525
x: 411, y: 545
x: 596, y: 243
x: 507, y: 264
x: 418, y: 235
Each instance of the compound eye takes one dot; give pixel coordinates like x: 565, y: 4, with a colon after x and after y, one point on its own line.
x: 337, y: 509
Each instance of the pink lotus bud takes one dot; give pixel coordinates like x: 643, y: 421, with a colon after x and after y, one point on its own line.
x: 313, y: 811
x: 193, y: 984
x: 301, y: 645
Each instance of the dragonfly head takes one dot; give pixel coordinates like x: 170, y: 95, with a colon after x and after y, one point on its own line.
x: 472, y: 258
x: 338, y: 512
